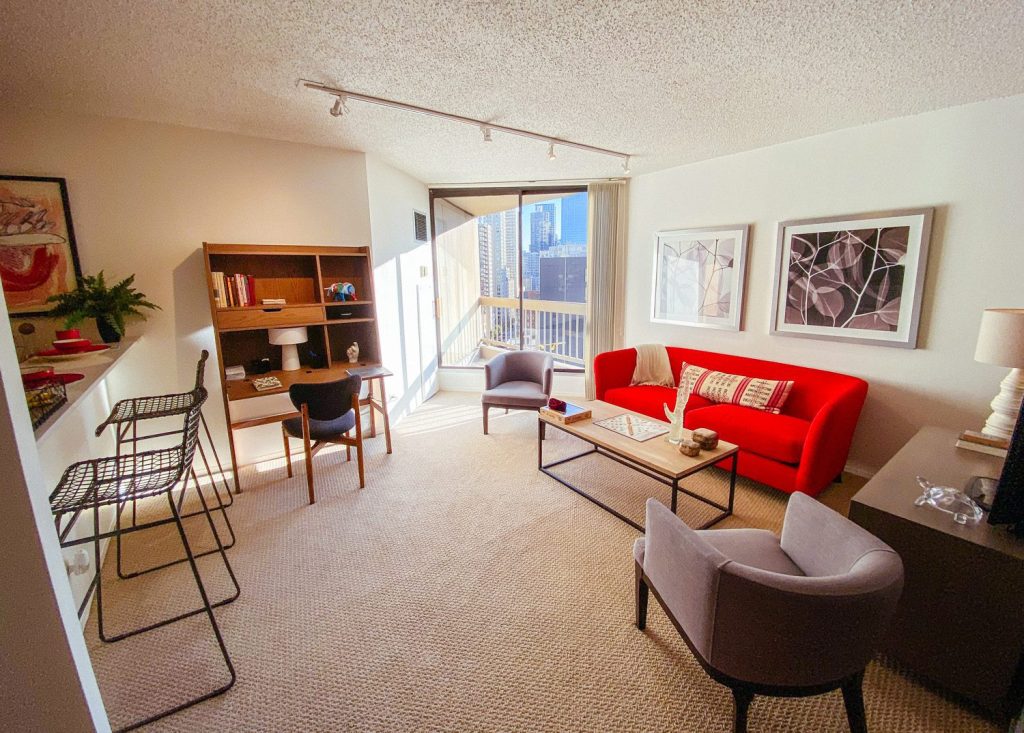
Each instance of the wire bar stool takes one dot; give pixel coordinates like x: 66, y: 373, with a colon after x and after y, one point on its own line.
x: 125, y: 418
x: 92, y: 484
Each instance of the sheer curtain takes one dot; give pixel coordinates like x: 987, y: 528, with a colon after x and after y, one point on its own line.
x: 606, y: 270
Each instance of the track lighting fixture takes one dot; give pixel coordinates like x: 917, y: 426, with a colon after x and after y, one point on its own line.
x: 340, y: 107
x: 342, y: 96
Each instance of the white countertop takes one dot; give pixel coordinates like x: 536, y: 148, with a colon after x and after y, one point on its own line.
x: 95, y: 366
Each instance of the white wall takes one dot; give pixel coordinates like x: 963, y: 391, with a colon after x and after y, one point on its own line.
x: 46, y: 679
x: 967, y: 162
x: 403, y: 284
x: 145, y: 196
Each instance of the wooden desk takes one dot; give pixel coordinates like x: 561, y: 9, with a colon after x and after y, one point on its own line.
x: 959, y: 621
x: 243, y: 389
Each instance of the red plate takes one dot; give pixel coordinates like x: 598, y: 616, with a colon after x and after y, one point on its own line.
x: 37, y: 378
x: 82, y: 350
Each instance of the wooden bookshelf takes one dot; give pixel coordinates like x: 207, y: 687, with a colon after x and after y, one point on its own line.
x: 299, y: 275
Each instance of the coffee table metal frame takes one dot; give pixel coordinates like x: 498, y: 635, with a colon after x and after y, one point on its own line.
x: 663, y: 478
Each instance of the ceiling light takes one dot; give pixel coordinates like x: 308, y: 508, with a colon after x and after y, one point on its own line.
x: 340, y: 107
x: 487, y: 129
x: 625, y: 165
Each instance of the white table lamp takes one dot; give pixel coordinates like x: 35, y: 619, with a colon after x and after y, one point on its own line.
x: 1001, y: 342
x: 286, y: 338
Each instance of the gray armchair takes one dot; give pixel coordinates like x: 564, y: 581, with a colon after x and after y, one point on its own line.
x: 790, y: 617
x: 517, y: 380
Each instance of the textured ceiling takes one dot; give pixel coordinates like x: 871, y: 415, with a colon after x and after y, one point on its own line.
x: 667, y: 82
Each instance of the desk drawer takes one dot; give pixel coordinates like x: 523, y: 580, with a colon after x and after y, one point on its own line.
x: 269, y: 317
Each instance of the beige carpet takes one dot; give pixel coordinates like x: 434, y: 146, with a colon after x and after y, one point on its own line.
x: 461, y: 590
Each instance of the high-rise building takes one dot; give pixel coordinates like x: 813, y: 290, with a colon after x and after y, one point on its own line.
x: 542, y: 227
x: 574, y: 219
x: 563, y: 279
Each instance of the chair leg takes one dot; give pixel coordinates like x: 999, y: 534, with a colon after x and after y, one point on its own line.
x: 853, y: 696
x: 309, y: 454
x: 642, y: 592
x: 486, y: 408
x: 348, y: 453
x: 359, y: 445
x: 287, y: 451
x: 741, y: 698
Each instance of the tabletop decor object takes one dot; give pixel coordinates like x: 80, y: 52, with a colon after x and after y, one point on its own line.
x: 853, y: 278
x: 675, y: 417
x: 109, y: 305
x: 698, y: 277
x: 288, y: 338
x: 1001, y: 342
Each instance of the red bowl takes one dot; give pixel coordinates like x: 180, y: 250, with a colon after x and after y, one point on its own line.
x: 68, y: 346
x: 71, y: 333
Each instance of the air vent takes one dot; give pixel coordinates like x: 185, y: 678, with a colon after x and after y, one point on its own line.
x: 420, y: 224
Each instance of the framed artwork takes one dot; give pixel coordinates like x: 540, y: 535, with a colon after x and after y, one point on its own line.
x: 852, y: 278
x: 38, y: 257
x: 698, y: 277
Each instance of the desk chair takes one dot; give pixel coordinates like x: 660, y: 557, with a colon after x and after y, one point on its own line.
x: 328, y: 412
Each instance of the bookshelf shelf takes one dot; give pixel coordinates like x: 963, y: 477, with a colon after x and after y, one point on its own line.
x: 300, y: 275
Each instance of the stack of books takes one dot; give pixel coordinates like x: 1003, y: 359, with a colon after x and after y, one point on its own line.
x: 981, y: 443
x: 572, y: 413
x: 230, y: 291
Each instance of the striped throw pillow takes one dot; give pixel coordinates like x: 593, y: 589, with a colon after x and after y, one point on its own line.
x: 761, y: 394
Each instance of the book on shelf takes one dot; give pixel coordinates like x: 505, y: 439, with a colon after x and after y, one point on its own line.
x: 230, y: 291
x: 274, y: 301
x: 234, y: 373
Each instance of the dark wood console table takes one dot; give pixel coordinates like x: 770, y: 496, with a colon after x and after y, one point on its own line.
x: 960, y: 621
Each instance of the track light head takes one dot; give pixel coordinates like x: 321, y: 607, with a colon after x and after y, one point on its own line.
x: 486, y: 132
x: 551, y: 151
x: 340, y: 107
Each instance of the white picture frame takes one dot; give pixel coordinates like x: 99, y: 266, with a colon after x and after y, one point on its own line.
x: 857, y: 278
x: 699, y: 277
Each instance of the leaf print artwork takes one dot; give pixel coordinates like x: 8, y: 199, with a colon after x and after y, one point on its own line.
x: 850, y: 279
x: 698, y: 274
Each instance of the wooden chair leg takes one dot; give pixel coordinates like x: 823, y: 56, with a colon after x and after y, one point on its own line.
x: 348, y: 453
x: 853, y: 696
x: 642, y: 592
x: 309, y: 454
x: 287, y: 451
x: 741, y: 698
x: 359, y: 445
x: 486, y: 408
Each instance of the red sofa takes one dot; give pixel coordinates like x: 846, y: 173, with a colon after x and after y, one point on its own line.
x: 803, y: 449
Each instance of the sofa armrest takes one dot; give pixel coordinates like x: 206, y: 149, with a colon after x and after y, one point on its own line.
x: 613, y: 369
x: 827, y: 445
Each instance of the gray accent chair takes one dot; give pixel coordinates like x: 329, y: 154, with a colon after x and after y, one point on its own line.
x: 788, y: 617
x: 517, y: 380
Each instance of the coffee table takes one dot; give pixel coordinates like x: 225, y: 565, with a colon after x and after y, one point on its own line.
x: 655, y: 458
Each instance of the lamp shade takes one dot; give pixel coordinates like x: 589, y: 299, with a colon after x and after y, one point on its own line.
x: 1001, y: 337
x: 285, y: 336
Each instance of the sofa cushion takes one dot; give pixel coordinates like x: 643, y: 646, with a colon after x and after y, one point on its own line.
x: 648, y: 399
x: 779, y: 437
x: 761, y: 394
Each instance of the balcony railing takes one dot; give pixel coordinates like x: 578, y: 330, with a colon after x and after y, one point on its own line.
x: 547, y: 325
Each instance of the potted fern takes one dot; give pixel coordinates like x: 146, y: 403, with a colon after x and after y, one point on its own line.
x: 110, y: 306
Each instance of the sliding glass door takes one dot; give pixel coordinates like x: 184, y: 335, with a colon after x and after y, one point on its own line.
x: 511, y: 270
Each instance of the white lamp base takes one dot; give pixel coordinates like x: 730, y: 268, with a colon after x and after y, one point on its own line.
x: 290, y: 358
x: 1005, y: 406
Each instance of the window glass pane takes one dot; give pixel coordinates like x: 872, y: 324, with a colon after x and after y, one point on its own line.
x: 555, y: 275
x: 510, y: 278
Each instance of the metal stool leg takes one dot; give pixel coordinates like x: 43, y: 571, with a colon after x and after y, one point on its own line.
x: 208, y: 609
